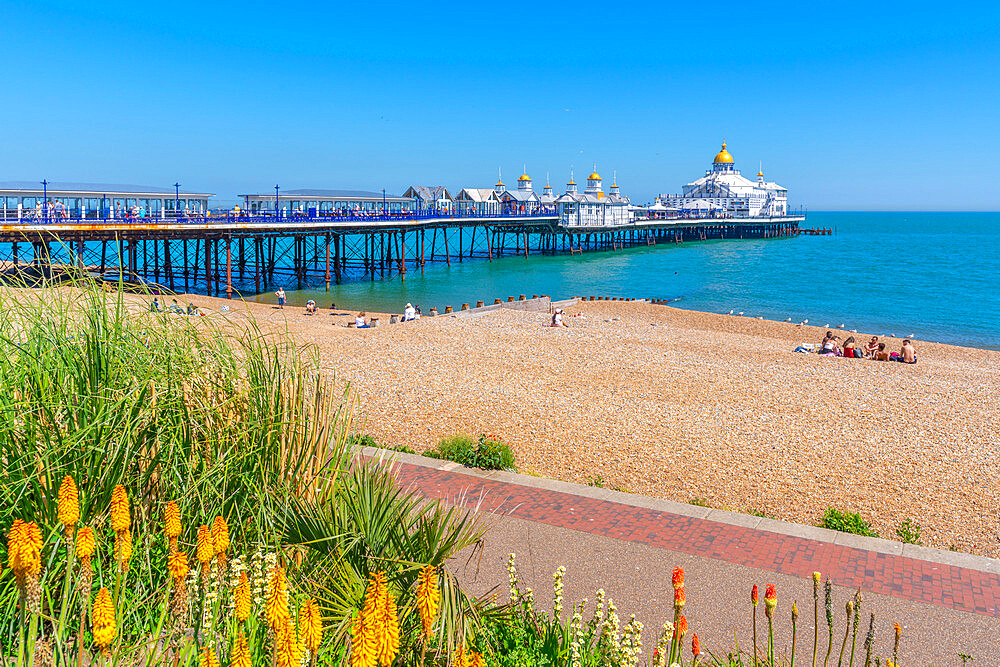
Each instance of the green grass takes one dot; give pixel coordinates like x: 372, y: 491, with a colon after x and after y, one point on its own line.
x: 846, y: 522
x: 908, y: 532
x: 486, y: 452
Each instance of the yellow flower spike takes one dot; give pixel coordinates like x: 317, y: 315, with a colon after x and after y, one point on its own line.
x: 172, y: 523
x: 220, y: 536
x: 241, y: 651
x: 24, y: 551
x: 476, y: 659
x: 205, y: 550
x: 363, y: 642
x: 177, y: 563
x: 103, y: 621
x: 461, y: 657
x: 310, y: 627
x: 387, y: 623
x: 120, y: 517
x: 428, y: 597
x: 286, y: 645
x: 85, y: 544
x: 123, y: 549
x: 241, y: 598
x: 276, y: 609
x: 69, y: 505
x: 208, y: 658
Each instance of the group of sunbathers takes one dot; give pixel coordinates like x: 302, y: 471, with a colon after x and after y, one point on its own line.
x: 875, y: 350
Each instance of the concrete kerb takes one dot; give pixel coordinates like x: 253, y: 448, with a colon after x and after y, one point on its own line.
x: 873, y: 544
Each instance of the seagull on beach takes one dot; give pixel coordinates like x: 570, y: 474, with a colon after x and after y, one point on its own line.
x: 840, y: 326
x: 732, y: 311
x: 788, y: 319
x: 805, y: 321
x: 740, y: 313
x: 912, y: 336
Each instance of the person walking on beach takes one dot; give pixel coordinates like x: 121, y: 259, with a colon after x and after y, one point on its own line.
x: 281, y: 298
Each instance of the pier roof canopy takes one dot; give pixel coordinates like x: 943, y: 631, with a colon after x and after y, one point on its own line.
x: 56, y: 188
x: 313, y: 193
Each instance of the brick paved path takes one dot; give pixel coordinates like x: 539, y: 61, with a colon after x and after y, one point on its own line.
x: 933, y: 582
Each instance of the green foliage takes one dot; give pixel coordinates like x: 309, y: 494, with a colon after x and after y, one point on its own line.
x: 362, y: 440
x: 597, y: 481
x: 488, y: 452
x: 846, y: 522
x: 909, y: 532
x: 699, y: 502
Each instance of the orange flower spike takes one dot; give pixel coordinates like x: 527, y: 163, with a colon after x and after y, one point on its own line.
x: 172, y: 523
x: 682, y: 626
x: 69, y: 503
x: 754, y: 596
x: 678, y: 577
x: 477, y: 659
x: 208, y: 658
x: 85, y: 544
x: 177, y: 563
x: 241, y: 651
x: 680, y: 597
x: 206, y: 550
x: 103, y: 620
x: 120, y: 517
x: 770, y: 600
x: 310, y: 627
x: 695, y: 645
x: 220, y: 536
x: 241, y: 598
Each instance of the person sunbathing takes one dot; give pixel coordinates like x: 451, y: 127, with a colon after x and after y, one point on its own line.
x: 850, y: 350
x: 872, y: 347
x: 907, y: 354
x: 829, y: 345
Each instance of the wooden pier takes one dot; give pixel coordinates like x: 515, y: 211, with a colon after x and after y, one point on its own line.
x: 220, y: 255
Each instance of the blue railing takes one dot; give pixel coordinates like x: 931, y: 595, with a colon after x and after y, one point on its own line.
x: 271, y: 218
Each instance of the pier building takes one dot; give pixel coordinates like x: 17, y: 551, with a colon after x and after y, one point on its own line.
x: 723, y: 190
x: 313, y: 203
x: 522, y: 200
x: 430, y: 197
x: 592, y: 207
x: 29, y: 200
x: 478, y: 201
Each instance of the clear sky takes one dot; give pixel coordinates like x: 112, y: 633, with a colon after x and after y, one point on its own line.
x: 864, y: 106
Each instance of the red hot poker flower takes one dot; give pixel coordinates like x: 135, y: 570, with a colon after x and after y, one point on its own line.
x: 753, y: 595
x: 678, y: 577
x: 682, y: 626
x: 770, y: 595
x: 680, y: 597
x: 695, y: 645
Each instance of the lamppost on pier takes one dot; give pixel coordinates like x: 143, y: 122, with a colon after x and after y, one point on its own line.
x: 384, y: 212
x: 177, y: 200
x: 277, y: 211
x: 45, y: 201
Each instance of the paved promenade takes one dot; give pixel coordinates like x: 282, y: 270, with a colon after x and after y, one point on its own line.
x: 946, y: 602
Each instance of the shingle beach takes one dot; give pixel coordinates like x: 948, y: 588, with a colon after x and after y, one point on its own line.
x: 686, y: 405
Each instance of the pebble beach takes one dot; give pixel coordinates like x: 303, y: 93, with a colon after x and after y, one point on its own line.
x: 690, y: 406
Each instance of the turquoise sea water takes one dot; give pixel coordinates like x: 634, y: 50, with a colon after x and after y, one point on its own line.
x: 930, y: 274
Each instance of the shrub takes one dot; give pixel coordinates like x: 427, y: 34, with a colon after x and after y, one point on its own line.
x: 597, y: 481
x: 846, y: 522
x: 909, y: 532
x: 488, y: 453
x: 362, y: 440
x: 698, y: 502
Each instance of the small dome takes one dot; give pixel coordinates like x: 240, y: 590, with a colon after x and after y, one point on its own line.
x: 499, y: 183
x: 760, y: 174
x: 723, y: 157
x: 524, y: 177
x: 594, y: 177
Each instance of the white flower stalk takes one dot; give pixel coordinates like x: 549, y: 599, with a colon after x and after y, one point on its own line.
x: 598, y: 611
x: 512, y: 575
x: 557, y: 585
x: 631, y: 646
x: 529, y: 600
x: 663, y: 645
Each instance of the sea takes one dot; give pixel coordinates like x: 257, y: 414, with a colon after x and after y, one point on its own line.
x: 930, y: 275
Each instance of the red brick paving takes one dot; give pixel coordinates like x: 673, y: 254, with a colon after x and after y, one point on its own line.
x: 948, y: 586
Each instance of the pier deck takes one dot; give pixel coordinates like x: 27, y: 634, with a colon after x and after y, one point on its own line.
x: 222, y: 254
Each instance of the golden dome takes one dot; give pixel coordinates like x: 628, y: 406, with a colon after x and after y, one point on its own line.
x: 760, y: 174
x: 499, y: 183
x: 723, y: 156
x: 594, y: 177
x: 524, y: 177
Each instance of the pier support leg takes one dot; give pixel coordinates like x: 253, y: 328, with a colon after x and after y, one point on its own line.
x: 328, y: 263
x: 258, y: 252
x: 423, y: 235
x: 489, y: 245
x: 338, y: 262
x: 229, y: 268
x: 184, y: 269
x: 168, y: 268
x: 459, y: 244
x: 447, y: 251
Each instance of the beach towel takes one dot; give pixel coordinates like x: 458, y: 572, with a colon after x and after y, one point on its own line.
x: 805, y: 348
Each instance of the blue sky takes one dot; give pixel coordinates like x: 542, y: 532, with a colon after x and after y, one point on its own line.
x: 850, y: 106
